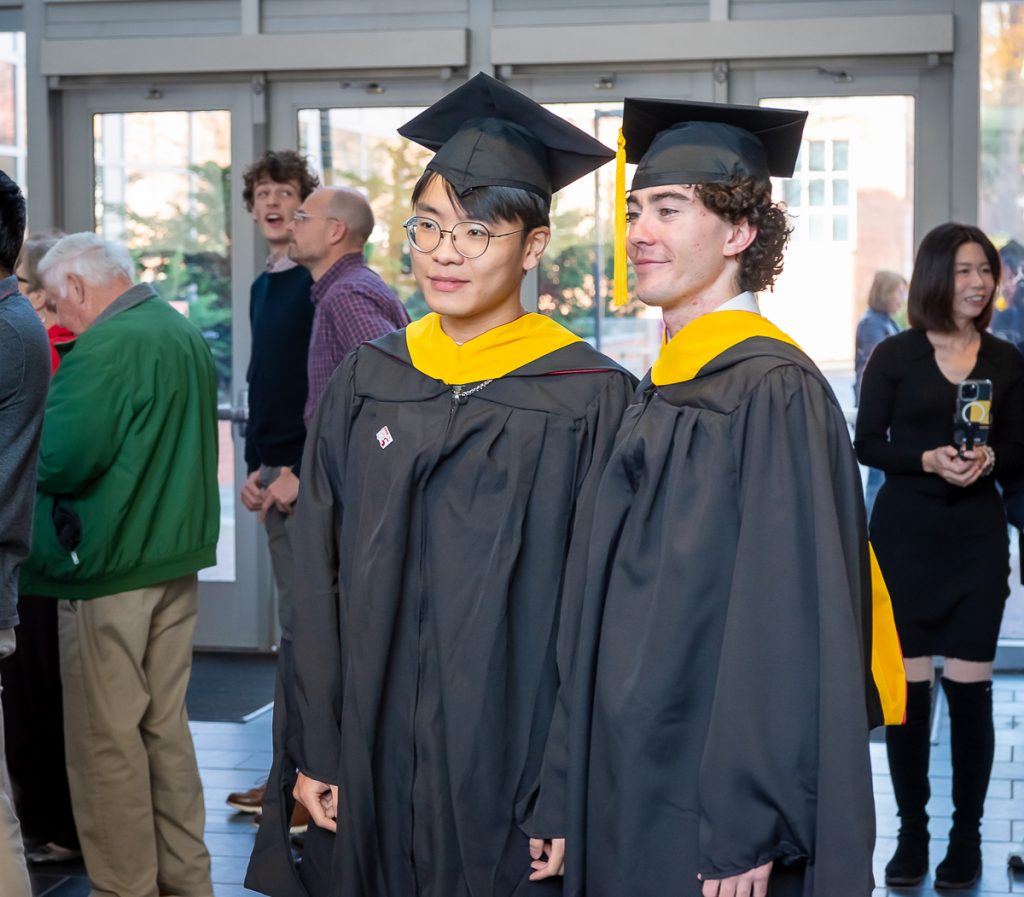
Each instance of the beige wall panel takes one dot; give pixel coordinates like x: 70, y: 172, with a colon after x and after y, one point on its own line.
x: 873, y: 36
x: 268, y: 53
x: 135, y: 19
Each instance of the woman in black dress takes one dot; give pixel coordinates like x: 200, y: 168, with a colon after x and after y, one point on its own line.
x: 939, y: 530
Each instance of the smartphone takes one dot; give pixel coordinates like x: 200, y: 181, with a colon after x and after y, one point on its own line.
x: 972, y: 421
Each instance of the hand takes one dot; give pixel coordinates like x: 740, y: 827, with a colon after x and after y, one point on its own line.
x: 956, y: 469
x: 252, y: 492
x: 320, y: 799
x: 555, y: 862
x: 752, y: 883
x: 280, y: 494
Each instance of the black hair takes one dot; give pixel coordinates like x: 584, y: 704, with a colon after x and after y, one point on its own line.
x: 747, y: 199
x: 12, y: 222
x: 491, y: 204
x: 930, y: 297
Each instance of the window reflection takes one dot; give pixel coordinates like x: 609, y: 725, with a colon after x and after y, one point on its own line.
x: 851, y: 204
x: 12, y: 105
x: 163, y: 189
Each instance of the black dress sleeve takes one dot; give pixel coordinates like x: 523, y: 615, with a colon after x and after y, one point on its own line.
x: 1008, y: 443
x: 883, y: 375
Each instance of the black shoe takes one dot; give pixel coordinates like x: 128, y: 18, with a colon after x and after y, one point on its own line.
x: 961, y: 866
x: 909, y: 864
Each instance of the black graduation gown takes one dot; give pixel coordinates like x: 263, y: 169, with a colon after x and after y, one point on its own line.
x: 433, y: 531
x: 729, y: 596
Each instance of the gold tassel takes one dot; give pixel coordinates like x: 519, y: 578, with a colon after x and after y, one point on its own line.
x: 620, y: 293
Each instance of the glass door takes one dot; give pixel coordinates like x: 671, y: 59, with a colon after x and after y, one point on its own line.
x: 359, y: 146
x: 162, y: 183
x: 851, y: 202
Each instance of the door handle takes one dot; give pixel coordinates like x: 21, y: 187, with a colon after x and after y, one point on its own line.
x: 237, y: 413
x: 233, y: 413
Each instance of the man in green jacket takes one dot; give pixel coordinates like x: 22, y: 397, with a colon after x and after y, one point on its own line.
x: 127, y: 512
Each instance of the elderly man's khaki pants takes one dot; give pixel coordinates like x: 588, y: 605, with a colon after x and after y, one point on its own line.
x: 138, y: 802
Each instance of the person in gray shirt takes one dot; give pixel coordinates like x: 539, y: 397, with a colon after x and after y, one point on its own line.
x: 24, y: 378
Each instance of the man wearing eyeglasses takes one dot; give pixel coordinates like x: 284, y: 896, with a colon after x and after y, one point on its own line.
x: 353, y: 304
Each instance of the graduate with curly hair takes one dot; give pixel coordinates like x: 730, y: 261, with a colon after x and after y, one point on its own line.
x: 724, y: 692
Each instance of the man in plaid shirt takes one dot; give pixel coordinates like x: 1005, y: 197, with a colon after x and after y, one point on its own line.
x: 352, y: 303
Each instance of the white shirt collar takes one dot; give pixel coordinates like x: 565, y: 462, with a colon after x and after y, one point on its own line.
x: 743, y: 302
x: 282, y: 264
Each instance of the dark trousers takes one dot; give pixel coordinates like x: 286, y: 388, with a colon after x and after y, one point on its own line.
x: 34, y: 723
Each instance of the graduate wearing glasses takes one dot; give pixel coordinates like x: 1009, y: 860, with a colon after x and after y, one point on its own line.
x: 449, y: 477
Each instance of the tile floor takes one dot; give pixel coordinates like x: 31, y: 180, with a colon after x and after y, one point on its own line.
x: 235, y: 756
x: 232, y: 757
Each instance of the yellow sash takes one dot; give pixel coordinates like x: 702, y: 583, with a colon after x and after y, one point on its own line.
x: 680, y: 360
x: 706, y: 338
x: 491, y: 355
x: 887, y: 667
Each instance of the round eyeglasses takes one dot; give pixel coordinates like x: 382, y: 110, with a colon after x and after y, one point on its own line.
x: 469, y: 238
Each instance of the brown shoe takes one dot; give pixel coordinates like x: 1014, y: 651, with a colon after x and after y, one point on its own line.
x: 300, y: 820
x: 247, y: 801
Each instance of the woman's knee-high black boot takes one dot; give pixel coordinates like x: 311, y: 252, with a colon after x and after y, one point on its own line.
x: 972, y: 742
x: 908, y: 748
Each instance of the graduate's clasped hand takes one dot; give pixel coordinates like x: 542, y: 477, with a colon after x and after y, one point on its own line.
x: 320, y: 798
x: 555, y: 862
x: 753, y: 883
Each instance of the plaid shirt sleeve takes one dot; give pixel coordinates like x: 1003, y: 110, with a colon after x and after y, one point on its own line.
x: 355, y: 317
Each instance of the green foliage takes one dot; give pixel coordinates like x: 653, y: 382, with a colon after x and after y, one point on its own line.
x: 567, y: 272
x: 396, y: 168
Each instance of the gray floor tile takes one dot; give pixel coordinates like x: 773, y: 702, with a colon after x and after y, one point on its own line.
x: 233, y: 756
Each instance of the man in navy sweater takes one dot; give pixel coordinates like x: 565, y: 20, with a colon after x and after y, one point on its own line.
x: 281, y: 318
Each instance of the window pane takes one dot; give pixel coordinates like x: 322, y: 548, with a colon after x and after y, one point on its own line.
x: 791, y: 192
x: 840, y: 155
x: 818, y: 226
x: 816, y: 192
x: 840, y: 192
x: 841, y: 228
x: 817, y: 155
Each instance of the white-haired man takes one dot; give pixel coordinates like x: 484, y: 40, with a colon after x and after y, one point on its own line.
x: 127, y: 512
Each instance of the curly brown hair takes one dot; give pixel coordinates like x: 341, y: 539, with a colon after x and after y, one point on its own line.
x: 747, y: 199
x: 280, y: 166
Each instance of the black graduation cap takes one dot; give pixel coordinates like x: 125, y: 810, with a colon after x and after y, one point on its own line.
x: 683, y: 142
x: 485, y: 134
